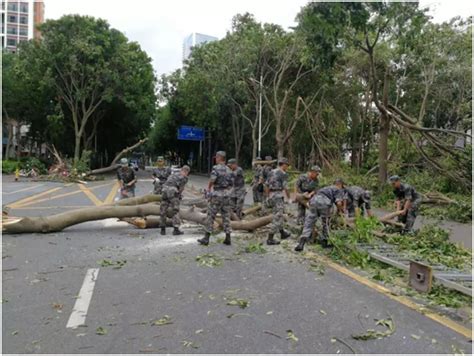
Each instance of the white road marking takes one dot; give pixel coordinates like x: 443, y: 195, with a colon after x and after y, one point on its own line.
x: 79, y: 312
x: 24, y: 189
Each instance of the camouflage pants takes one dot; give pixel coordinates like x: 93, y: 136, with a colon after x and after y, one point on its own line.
x: 237, y: 201
x: 277, y: 204
x: 319, y: 207
x: 257, y: 191
x: 409, y: 218
x: 301, y: 214
x: 218, y: 204
x: 157, y: 187
x: 170, y: 206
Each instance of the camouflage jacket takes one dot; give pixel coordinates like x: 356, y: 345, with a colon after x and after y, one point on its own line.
x: 333, y: 193
x: 304, y: 184
x: 176, y: 181
x: 222, y: 177
x: 125, y: 174
x: 406, y: 192
x: 277, y: 182
x: 239, y: 179
x: 162, y: 173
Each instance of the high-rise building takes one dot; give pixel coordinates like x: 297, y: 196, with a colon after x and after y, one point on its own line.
x: 19, y: 20
x: 193, y: 40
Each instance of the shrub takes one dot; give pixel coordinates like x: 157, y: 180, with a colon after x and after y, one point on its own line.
x: 9, y: 167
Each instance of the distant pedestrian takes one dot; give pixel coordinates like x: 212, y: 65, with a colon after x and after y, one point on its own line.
x: 406, y: 204
x: 237, y: 195
x: 276, y: 186
x: 127, y: 180
x: 170, y: 199
x: 219, y: 189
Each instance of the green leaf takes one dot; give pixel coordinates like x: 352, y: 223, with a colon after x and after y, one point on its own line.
x: 291, y: 336
x: 101, y: 331
x: 165, y: 320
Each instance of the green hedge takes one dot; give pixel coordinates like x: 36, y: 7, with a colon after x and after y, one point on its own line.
x: 9, y: 166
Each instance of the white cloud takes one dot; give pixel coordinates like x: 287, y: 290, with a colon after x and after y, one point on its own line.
x: 160, y: 26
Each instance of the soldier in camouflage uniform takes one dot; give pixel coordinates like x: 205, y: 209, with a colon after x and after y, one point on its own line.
x: 409, y: 199
x: 257, y: 183
x: 358, y: 201
x: 275, y: 185
x: 306, y: 185
x: 320, y: 206
x: 237, y: 196
x: 219, y: 189
x: 266, y: 170
x: 160, y: 175
x: 127, y: 180
x: 170, y: 198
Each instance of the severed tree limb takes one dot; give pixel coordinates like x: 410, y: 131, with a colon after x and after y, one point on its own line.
x: 58, y: 222
x: 113, y: 166
x: 144, y: 199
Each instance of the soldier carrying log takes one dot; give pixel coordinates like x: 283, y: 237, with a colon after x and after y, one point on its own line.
x: 306, y: 185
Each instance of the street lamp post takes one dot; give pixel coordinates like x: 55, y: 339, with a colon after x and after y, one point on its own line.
x: 260, y: 118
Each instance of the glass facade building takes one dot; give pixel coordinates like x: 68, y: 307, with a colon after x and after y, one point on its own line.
x: 193, y: 40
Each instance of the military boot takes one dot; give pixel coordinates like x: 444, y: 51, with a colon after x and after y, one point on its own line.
x: 163, y: 231
x: 271, y: 241
x: 284, y: 235
x: 205, y: 240
x: 325, y: 243
x: 177, y: 231
x: 300, y: 245
x: 227, y: 239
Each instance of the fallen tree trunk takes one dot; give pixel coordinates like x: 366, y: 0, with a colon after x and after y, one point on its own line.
x: 113, y: 166
x: 144, y: 199
x: 200, y: 218
x: 252, y: 210
x: 58, y: 222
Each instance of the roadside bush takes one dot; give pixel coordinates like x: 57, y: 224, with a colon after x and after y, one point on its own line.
x: 28, y: 163
x: 9, y: 167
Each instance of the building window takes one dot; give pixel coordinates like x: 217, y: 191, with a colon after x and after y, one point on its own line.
x: 12, y: 6
x: 23, y: 31
x: 11, y: 42
x: 24, y: 20
x: 11, y: 30
x: 12, y: 19
x: 24, y: 7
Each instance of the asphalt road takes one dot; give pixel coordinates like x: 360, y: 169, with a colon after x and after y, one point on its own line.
x: 44, y: 283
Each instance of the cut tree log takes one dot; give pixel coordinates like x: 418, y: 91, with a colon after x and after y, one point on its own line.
x: 144, y: 199
x: 58, y: 222
x: 252, y: 210
x: 264, y: 162
x: 200, y: 218
x: 113, y: 166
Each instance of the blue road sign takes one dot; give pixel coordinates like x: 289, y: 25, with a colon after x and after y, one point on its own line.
x: 191, y: 133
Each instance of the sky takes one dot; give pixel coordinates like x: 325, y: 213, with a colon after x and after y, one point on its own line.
x: 161, y: 25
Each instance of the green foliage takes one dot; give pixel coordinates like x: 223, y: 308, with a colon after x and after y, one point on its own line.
x: 209, y: 260
x: 9, y: 167
x: 28, y: 163
x: 440, y: 295
x: 83, y: 165
x: 378, y: 334
x: 255, y: 247
x: 431, y: 244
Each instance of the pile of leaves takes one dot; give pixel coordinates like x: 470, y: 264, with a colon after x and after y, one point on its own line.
x: 209, y: 260
x: 378, y: 334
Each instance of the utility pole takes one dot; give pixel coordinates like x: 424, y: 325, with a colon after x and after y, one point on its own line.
x: 260, y: 118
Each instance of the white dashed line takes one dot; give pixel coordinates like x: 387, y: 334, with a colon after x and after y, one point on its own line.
x: 79, y: 312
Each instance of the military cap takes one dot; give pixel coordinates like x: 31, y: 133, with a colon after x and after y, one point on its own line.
x: 394, y: 178
x: 161, y: 158
x: 339, y: 181
x: 124, y: 161
x: 268, y: 158
x: 186, y: 168
x: 232, y: 161
x: 283, y: 160
x: 315, y: 169
x: 220, y: 153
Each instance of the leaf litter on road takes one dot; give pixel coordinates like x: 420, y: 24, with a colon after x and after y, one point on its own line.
x: 101, y: 331
x: 291, y: 336
x: 241, y: 303
x: 115, y: 264
x: 209, y: 260
x: 378, y: 334
x: 165, y: 320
